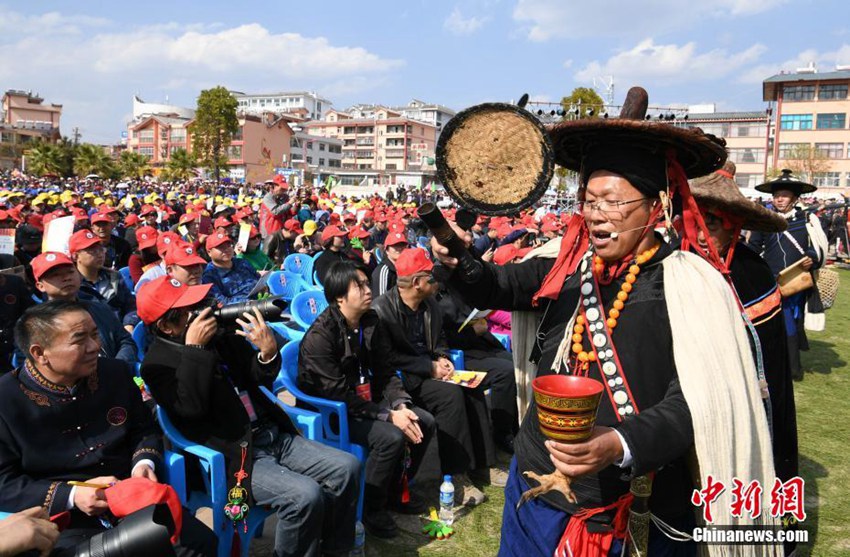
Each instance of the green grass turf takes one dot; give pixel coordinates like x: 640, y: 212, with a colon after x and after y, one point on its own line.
x: 823, y: 421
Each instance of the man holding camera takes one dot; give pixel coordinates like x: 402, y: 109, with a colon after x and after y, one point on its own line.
x: 69, y: 415
x: 209, y: 385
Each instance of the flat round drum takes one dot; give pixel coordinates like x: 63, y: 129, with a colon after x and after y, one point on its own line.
x: 495, y: 158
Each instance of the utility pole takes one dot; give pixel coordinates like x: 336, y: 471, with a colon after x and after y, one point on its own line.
x: 76, y: 136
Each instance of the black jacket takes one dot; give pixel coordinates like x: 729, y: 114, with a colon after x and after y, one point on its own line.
x: 392, y: 346
x: 49, y: 435
x: 118, y: 253
x: 384, y: 277
x: 197, y: 388
x: 329, y: 368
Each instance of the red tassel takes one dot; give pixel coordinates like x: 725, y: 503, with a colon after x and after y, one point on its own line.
x: 405, y: 489
x: 236, y: 545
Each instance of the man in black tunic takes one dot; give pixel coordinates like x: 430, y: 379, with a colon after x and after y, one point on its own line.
x: 69, y: 415
x: 782, y: 249
x: 610, y: 301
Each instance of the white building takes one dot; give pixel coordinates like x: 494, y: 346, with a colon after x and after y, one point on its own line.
x: 307, y: 105
x: 435, y: 114
x: 319, y: 155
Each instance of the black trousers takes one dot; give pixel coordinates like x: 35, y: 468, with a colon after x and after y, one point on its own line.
x: 499, y: 365
x: 384, y: 464
x: 196, y: 540
x: 463, y: 426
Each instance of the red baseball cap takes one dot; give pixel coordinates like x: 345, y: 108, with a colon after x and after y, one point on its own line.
x: 81, y: 240
x: 551, y: 226
x: 147, y: 210
x: 188, y: 217
x: 347, y: 216
x: 254, y: 232
x: 183, y: 254
x: 100, y: 217
x: 222, y: 222
x: 292, y: 225
x: 358, y: 232
x: 334, y: 218
x: 395, y: 237
x: 131, y: 219
x: 368, y: 214
x: 48, y: 260
x: 158, y: 296
x: 332, y: 232
x: 217, y: 239
x: 380, y: 217
x: 147, y: 236
x: 412, y: 261
x: 164, y: 242
x: 507, y: 253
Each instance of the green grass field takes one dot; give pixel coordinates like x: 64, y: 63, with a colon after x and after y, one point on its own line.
x: 823, y: 416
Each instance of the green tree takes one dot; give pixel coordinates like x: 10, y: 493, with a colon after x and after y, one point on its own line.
x: 91, y: 159
x: 133, y: 165
x: 583, y: 100
x: 213, y: 128
x: 180, y: 167
x: 44, y: 158
x: 806, y: 161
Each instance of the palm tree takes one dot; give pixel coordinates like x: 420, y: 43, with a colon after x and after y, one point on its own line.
x: 133, y: 165
x: 44, y: 158
x: 91, y: 159
x: 181, y: 166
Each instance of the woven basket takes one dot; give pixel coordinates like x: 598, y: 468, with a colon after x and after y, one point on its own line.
x: 828, y: 282
x: 495, y: 158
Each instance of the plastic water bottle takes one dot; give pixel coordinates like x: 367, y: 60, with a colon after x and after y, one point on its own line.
x: 359, y: 541
x: 447, y: 501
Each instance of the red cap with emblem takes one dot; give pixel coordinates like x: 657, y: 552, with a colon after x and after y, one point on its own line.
x: 217, y: 239
x: 48, y: 260
x: 158, y: 296
x: 222, y: 222
x: 395, y: 237
x: 100, y: 217
x: 81, y: 240
x: 147, y: 236
x: 292, y: 225
x: 183, y: 254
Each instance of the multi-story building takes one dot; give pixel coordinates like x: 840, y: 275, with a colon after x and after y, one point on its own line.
x: 746, y: 138
x: 301, y: 104
x: 25, y: 119
x: 259, y: 146
x: 435, y: 114
x: 386, y: 148
x: 317, y: 155
x: 811, y: 110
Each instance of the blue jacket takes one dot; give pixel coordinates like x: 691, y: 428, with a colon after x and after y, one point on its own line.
x: 231, y: 285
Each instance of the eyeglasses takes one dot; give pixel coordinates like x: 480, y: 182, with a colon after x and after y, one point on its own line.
x: 606, y: 206
x: 431, y: 279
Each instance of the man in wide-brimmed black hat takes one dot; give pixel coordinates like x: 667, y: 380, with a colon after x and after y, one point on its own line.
x: 783, y: 249
x: 659, y: 328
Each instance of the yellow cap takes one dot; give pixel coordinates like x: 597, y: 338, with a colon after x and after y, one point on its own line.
x: 310, y: 227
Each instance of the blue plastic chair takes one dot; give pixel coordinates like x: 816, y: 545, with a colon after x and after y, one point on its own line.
x: 306, y: 307
x: 141, y: 338
x: 300, y: 264
x: 287, y: 380
x: 128, y: 280
x: 286, y: 284
x: 504, y: 339
x: 287, y: 330
x: 214, y: 494
x: 313, y: 276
